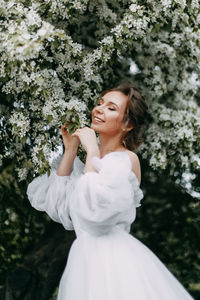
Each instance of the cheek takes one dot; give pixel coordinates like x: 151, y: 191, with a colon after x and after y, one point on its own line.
x: 116, y: 117
x: 115, y: 121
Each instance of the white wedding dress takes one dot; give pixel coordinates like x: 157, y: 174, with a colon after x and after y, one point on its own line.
x: 105, y: 261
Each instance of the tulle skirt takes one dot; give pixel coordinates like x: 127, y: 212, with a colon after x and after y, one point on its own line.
x: 117, y: 267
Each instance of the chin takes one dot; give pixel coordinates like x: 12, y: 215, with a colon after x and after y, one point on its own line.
x: 95, y: 127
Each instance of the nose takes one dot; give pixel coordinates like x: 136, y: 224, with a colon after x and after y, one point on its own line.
x: 99, y: 109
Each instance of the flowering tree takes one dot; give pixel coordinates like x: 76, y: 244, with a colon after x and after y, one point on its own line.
x: 56, y: 56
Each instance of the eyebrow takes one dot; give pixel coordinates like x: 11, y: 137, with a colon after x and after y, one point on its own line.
x: 109, y: 102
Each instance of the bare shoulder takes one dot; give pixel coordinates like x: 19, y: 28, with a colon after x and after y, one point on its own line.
x: 136, y: 168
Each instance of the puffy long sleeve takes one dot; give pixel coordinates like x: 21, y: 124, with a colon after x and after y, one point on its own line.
x: 109, y: 196
x: 52, y: 193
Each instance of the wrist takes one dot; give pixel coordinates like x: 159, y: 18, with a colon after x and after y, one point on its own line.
x: 71, y: 151
x: 93, y: 152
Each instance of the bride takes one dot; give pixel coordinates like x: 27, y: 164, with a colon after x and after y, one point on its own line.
x: 114, y: 118
x: 98, y: 200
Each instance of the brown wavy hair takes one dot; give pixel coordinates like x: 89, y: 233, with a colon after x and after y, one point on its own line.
x: 135, y: 114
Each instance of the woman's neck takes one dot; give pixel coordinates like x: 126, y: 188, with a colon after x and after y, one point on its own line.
x: 109, y: 144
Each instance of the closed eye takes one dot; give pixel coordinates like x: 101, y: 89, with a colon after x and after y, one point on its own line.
x: 101, y: 102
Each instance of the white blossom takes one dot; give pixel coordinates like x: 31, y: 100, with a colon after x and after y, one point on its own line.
x: 22, y: 173
x: 20, y: 123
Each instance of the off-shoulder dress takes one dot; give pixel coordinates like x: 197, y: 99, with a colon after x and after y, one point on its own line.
x: 105, y: 261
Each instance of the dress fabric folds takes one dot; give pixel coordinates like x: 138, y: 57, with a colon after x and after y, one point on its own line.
x: 105, y: 261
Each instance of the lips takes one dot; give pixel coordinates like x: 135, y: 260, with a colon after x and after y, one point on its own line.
x: 97, y: 119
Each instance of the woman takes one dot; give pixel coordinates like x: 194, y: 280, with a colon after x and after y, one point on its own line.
x: 98, y: 200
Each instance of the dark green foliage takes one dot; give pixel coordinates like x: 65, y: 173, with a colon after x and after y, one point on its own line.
x: 20, y: 225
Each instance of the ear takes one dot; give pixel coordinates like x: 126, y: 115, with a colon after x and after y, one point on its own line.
x: 128, y: 128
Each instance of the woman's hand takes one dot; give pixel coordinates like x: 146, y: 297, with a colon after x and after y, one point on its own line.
x: 88, y: 139
x: 70, y: 142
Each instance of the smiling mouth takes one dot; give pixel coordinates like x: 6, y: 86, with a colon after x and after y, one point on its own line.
x: 98, y: 120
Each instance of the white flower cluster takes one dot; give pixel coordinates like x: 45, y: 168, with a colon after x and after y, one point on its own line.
x: 23, y: 43
x: 56, y: 56
x: 20, y: 124
x: 63, y: 9
x: 22, y: 173
x: 175, y: 134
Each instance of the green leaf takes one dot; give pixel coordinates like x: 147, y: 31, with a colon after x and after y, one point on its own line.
x: 63, y: 119
x: 49, y: 118
x: 24, y: 140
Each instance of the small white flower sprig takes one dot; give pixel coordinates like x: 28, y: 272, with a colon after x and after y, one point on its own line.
x: 51, y: 69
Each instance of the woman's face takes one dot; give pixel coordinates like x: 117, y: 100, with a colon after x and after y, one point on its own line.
x: 107, y: 116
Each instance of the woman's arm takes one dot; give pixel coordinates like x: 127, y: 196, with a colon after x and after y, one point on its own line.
x: 71, y: 144
x: 88, y: 140
x: 66, y: 163
x: 89, y: 165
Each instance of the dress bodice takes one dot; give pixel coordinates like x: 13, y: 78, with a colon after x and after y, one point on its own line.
x: 94, y: 202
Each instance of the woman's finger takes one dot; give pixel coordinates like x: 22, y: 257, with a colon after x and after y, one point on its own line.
x: 75, y: 134
x: 66, y: 124
x: 64, y: 128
